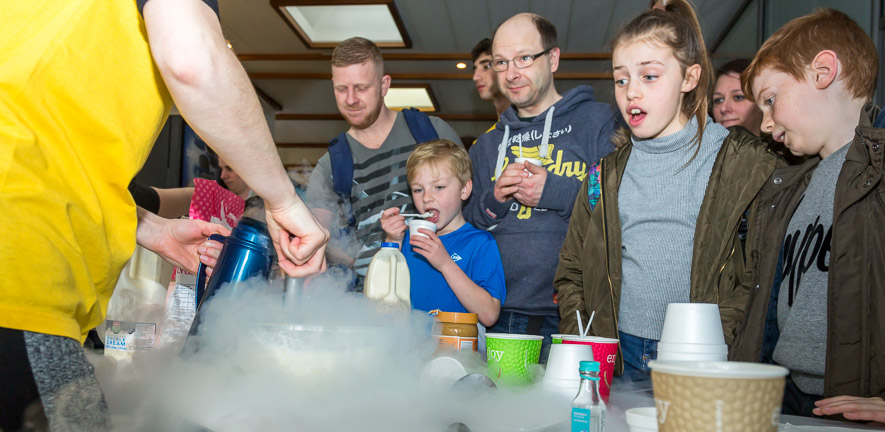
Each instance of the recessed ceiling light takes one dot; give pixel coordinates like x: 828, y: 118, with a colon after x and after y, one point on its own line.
x: 325, y: 23
x: 461, y: 65
x: 419, y: 96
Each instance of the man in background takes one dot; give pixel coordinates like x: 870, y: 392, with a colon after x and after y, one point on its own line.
x: 486, y: 79
x: 527, y: 205
x: 376, y: 147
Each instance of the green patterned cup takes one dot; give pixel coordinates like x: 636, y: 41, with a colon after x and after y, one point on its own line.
x: 511, y: 357
x: 557, y: 338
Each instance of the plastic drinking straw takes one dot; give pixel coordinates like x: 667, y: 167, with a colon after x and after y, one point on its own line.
x: 580, y: 325
x: 587, y: 330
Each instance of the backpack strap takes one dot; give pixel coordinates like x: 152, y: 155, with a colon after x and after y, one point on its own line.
x: 419, y: 125
x: 342, y: 165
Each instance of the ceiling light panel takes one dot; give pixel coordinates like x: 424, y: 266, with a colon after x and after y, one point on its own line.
x: 325, y: 25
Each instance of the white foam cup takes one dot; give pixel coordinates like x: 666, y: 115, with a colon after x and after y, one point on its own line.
x: 414, y: 224
x: 692, y: 323
x: 643, y: 419
x: 683, y: 357
x: 706, y: 349
x: 564, y: 360
x: 532, y: 161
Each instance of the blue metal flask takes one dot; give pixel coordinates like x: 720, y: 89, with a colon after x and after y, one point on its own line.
x: 247, y: 252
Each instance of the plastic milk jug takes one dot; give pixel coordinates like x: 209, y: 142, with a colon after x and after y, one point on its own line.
x: 388, y: 276
x: 136, y: 308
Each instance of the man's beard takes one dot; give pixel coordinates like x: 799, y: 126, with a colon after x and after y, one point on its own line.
x: 369, y: 119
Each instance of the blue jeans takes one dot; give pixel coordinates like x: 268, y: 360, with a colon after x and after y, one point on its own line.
x: 637, y: 352
x: 517, y: 323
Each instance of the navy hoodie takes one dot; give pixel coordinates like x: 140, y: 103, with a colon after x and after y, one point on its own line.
x: 578, y: 134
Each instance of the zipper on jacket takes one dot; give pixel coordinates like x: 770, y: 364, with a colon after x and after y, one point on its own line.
x: 605, y: 242
x: 725, y: 263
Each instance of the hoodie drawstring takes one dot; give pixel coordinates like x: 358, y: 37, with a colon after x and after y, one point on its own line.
x: 543, y: 149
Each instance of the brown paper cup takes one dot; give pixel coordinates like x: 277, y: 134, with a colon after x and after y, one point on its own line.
x: 717, y: 396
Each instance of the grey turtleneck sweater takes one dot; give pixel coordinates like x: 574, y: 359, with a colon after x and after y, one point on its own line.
x: 659, y: 200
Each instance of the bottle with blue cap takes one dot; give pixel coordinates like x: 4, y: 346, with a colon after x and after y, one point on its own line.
x: 388, y: 276
x: 588, y: 408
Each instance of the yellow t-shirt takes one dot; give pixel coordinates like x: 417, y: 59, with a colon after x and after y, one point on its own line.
x: 81, y: 103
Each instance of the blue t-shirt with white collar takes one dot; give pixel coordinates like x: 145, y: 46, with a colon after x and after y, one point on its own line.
x: 474, y: 251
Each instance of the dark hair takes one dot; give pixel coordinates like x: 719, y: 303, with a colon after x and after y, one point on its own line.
x: 674, y: 24
x: 547, y: 31
x: 483, y: 47
x: 735, y: 66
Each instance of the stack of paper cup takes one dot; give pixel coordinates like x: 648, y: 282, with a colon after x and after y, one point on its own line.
x: 692, y: 332
x: 562, y: 374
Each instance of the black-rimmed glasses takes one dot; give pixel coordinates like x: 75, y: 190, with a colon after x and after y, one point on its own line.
x: 520, y: 62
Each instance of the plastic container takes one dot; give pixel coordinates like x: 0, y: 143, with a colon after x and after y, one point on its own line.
x: 456, y: 331
x: 388, y: 276
x: 136, y: 307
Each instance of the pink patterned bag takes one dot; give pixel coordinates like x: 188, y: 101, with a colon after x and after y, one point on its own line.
x: 213, y: 203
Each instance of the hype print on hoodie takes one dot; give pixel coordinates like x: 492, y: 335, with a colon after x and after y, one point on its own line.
x: 568, y: 137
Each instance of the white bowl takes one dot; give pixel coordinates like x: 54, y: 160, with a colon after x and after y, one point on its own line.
x: 642, y: 419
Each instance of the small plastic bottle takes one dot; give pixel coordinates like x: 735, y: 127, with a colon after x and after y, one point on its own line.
x: 588, y: 409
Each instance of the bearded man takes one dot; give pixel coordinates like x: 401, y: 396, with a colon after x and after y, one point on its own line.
x: 378, y: 144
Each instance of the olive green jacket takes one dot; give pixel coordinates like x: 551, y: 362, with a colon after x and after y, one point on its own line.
x: 588, y: 277
x: 856, y: 278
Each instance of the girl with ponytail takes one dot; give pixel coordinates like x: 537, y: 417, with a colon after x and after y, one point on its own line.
x: 656, y: 222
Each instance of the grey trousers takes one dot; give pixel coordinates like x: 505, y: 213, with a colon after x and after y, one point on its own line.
x: 54, y: 368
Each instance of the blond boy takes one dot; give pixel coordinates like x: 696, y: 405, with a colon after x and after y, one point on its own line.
x: 816, y: 244
x: 458, y: 268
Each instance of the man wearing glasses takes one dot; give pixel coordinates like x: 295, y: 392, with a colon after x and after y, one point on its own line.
x: 527, y: 206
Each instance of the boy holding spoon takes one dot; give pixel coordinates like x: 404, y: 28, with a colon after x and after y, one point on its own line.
x: 457, y: 268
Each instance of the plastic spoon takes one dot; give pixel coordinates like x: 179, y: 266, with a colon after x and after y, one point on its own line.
x: 424, y: 215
